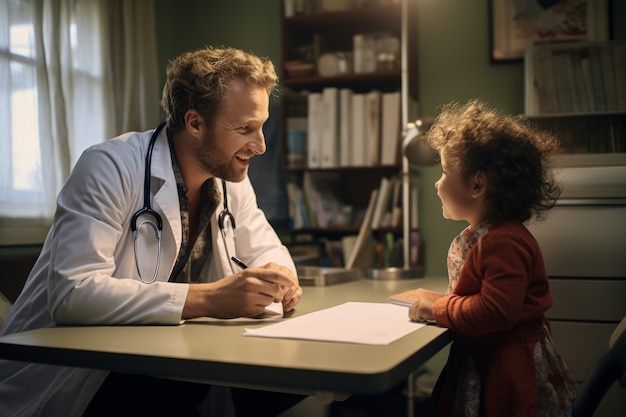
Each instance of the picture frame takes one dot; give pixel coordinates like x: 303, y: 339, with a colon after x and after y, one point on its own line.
x: 543, y: 21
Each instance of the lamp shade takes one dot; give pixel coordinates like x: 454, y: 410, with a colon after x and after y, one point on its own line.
x: 414, y: 146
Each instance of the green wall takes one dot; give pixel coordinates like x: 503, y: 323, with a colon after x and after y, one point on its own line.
x: 251, y: 25
x: 453, y: 65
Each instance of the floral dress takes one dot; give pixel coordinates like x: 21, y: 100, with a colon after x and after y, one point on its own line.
x: 461, y: 386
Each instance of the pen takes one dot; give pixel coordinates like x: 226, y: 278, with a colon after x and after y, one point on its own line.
x: 239, y: 262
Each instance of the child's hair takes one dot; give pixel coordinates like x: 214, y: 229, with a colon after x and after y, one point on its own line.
x: 513, y: 154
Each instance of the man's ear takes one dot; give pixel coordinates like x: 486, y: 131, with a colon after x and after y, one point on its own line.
x: 479, y: 184
x: 193, y: 123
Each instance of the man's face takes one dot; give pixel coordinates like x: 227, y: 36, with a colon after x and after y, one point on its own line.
x: 237, y: 134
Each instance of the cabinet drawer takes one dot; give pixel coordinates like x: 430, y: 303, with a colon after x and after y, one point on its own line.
x: 588, y: 299
x: 583, y: 241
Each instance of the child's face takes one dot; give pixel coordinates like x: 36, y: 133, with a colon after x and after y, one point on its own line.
x: 456, y: 193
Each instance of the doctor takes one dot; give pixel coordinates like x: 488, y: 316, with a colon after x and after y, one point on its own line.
x: 143, y: 234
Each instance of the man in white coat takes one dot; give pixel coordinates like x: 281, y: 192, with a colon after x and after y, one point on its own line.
x: 92, y: 270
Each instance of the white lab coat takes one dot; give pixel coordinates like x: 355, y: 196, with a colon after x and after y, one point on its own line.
x: 86, y: 272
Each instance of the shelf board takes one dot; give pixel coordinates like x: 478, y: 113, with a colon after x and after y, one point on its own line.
x: 389, y: 78
x: 331, y: 233
x: 369, y: 168
x: 592, y: 159
x: 366, y: 14
x: 578, y: 115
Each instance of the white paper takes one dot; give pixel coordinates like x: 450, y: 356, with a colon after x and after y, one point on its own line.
x: 352, y: 322
x: 273, y: 312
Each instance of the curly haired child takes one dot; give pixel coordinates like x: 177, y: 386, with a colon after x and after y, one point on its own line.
x: 496, y: 175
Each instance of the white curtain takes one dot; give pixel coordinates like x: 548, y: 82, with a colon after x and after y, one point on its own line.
x: 72, y: 73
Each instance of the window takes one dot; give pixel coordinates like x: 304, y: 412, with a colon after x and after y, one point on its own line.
x: 20, y: 156
x: 52, y: 97
x: 72, y: 73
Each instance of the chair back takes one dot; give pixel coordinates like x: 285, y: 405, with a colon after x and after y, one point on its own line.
x: 609, y: 367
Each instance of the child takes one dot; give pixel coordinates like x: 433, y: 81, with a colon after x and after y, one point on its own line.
x: 496, y: 176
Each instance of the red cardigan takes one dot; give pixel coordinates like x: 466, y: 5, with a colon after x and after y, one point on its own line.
x: 497, y: 310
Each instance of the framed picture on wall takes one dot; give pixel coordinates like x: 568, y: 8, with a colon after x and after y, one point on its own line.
x: 517, y: 24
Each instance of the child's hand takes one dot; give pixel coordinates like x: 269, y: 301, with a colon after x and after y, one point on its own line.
x: 421, y: 310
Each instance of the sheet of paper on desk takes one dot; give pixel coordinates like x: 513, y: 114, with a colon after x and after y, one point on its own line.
x: 352, y: 322
x: 273, y: 312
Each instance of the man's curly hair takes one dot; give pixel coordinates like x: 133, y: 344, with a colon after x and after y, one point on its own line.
x: 512, y: 153
x: 199, y: 80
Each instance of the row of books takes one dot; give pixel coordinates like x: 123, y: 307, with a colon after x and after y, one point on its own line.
x: 317, y: 202
x: 385, y: 252
x: 576, y: 77
x: 379, y: 242
x: 348, y: 129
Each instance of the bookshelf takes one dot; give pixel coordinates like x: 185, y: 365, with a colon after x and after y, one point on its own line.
x: 321, y: 61
x: 578, y: 91
x: 584, y: 104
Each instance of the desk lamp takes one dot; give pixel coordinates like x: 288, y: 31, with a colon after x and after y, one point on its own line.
x: 414, y: 151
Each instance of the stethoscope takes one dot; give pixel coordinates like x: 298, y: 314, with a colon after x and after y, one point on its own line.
x: 223, y: 220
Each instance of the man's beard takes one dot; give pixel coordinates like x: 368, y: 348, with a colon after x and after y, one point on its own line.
x: 217, y: 162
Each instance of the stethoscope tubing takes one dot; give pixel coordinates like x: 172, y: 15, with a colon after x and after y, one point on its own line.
x: 157, y: 224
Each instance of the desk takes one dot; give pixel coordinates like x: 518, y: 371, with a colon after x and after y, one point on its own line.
x: 219, y: 354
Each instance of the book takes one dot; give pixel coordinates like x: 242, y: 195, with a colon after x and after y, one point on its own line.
x: 361, y: 255
x: 564, y: 77
x: 345, y: 127
x: 413, y: 203
x: 390, y: 128
x: 382, y: 202
x: 396, y: 203
x: 608, y: 78
x: 358, y: 156
x: 393, y: 195
x: 330, y: 133
x: 347, y: 246
x: 372, y: 130
x: 296, y: 208
x: 581, y: 91
x: 306, y: 196
x: 597, y: 74
x: 619, y: 63
x: 588, y: 87
x: 405, y: 298
x: 315, y: 122
x: 541, y: 95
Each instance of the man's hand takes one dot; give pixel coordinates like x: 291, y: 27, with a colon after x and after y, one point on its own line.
x: 244, y: 294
